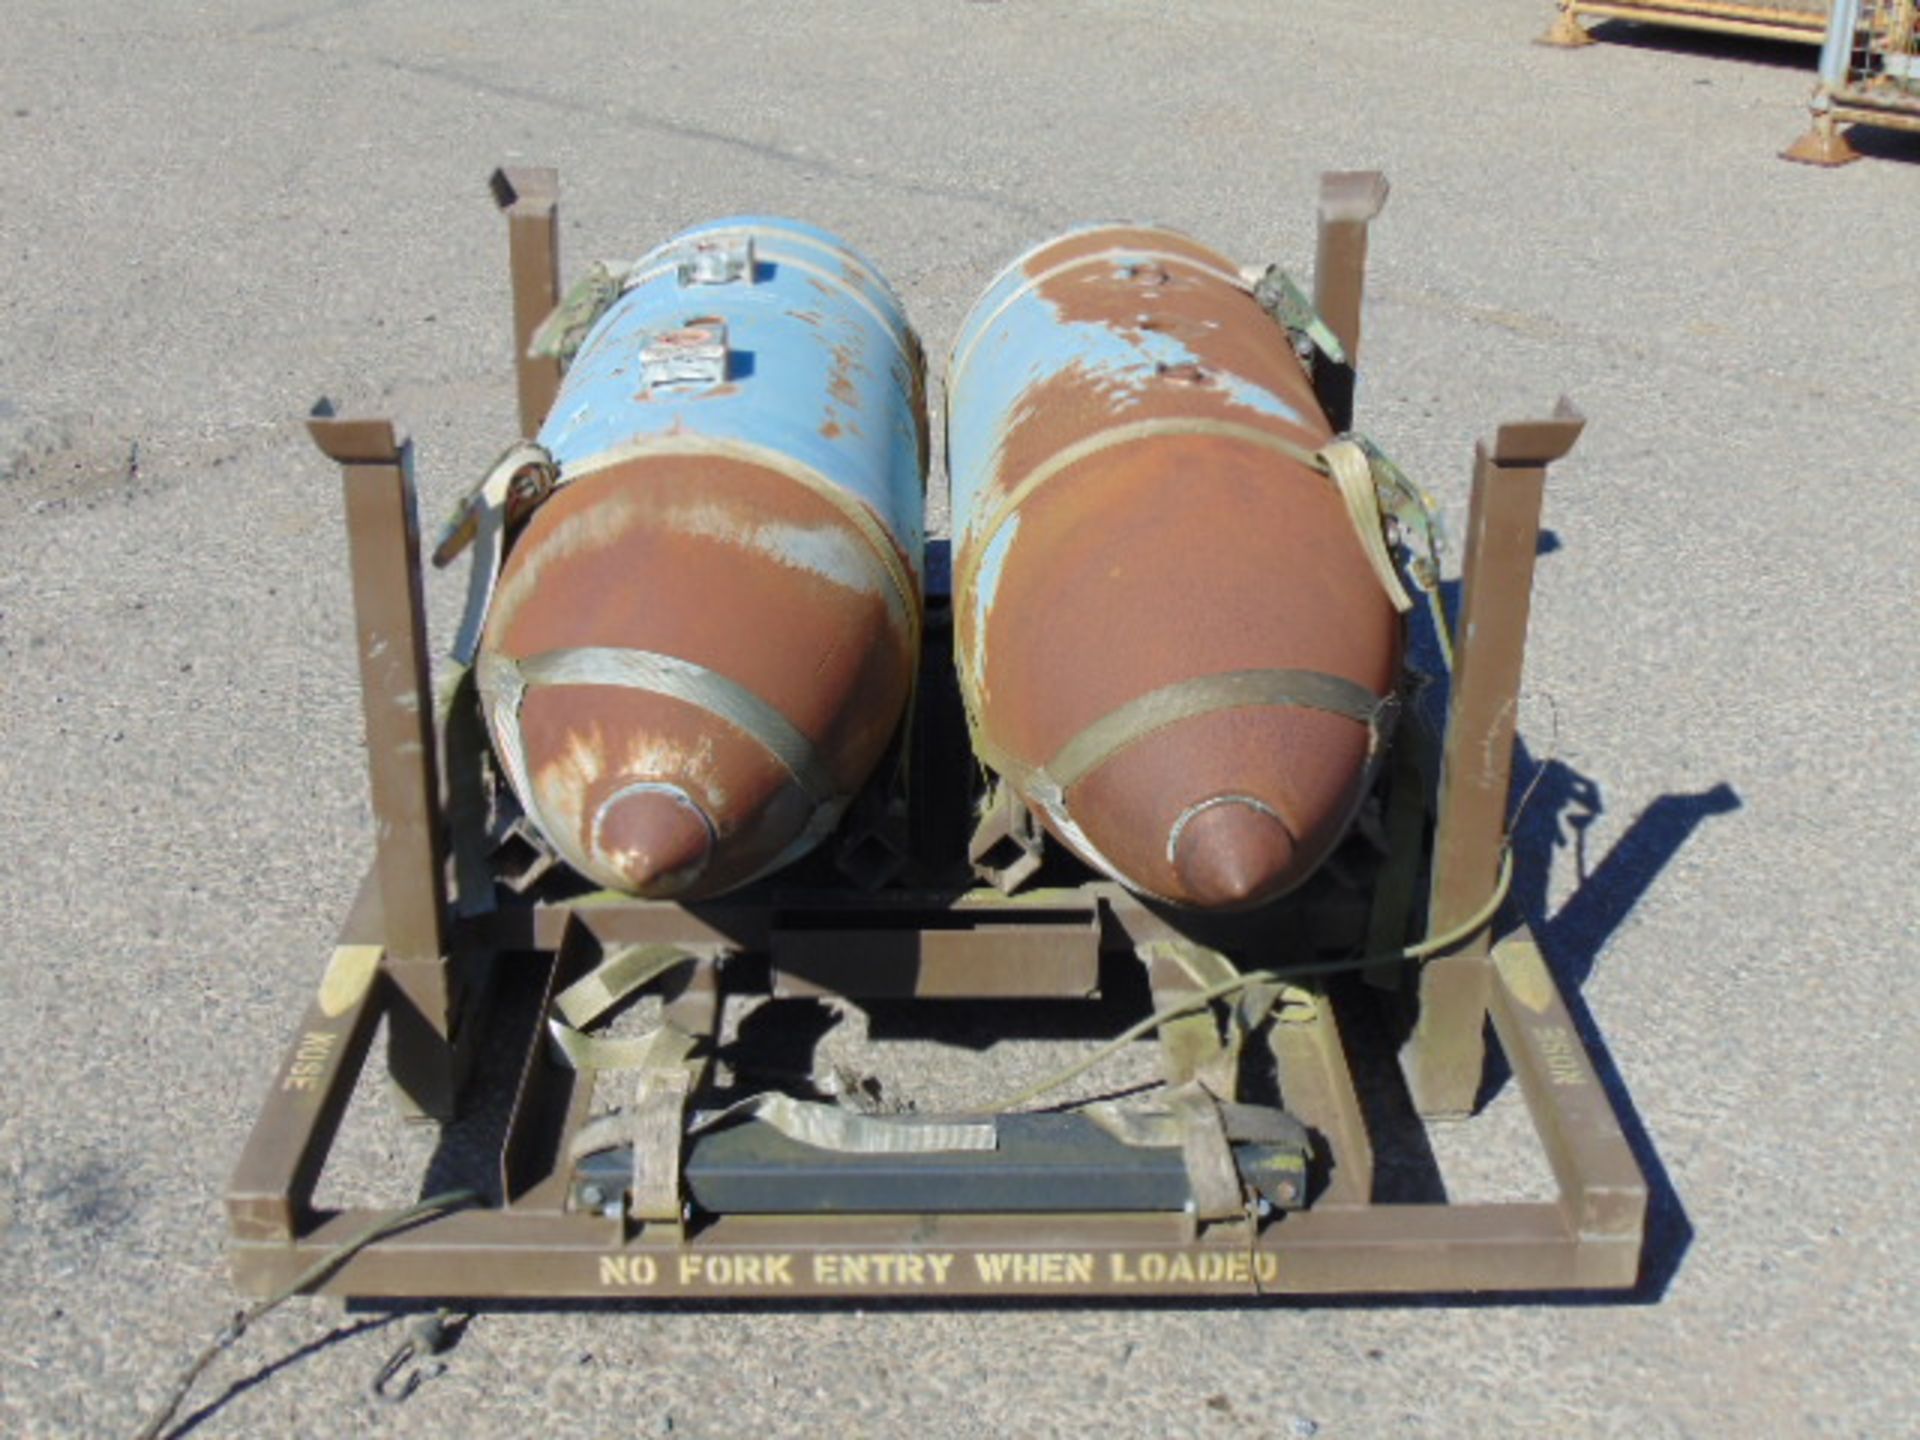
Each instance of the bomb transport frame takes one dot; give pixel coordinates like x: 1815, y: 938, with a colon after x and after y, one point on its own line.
x: 1204, y: 1195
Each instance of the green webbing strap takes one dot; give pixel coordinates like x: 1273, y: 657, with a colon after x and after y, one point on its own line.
x: 1187, y: 699
x: 1363, y: 475
x: 1213, y: 1179
x: 1151, y: 1125
x: 1283, y: 1004
x: 658, y: 1131
x: 1191, y: 1047
x: 810, y: 1122
x: 1201, y: 964
x: 520, y: 479
x: 1411, y: 508
x: 506, y: 681
x: 560, y: 335
x: 662, y: 1058
x: 1351, y: 471
x: 628, y: 969
x: 669, y: 1049
x: 1413, y: 511
x: 831, y: 1127
x: 594, y: 1053
x: 1282, y: 298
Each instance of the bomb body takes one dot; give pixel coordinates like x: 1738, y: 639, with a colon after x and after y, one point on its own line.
x: 703, y: 641
x: 1169, y: 637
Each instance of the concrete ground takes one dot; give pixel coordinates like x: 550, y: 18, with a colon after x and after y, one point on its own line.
x: 209, y: 213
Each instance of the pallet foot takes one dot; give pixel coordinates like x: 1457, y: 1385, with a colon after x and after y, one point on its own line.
x: 1566, y: 33
x: 1823, y: 145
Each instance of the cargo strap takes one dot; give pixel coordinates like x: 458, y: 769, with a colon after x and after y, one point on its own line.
x: 1339, y: 460
x: 1351, y: 471
x: 1253, y: 982
x: 1281, y: 297
x: 655, y: 1127
x: 504, y: 683
x: 1414, y: 514
x: 1158, y: 1126
x: 662, y: 1058
x: 526, y: 475
x: 1205, y: 1129
x: 834, y: 1127
x: 512, y: 489
x: 1209, y: 969
x: 628, y: 969
x: 560, y: 335
x: 1191, y: 1045
x: 1373, y: 490
x: 1202, y: 1072
x: 1135, y: 720
x: 1046, y: 786
x: 1203, y: 695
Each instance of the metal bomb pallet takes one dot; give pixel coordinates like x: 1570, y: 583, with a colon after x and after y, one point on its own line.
x: 1054, y: 1204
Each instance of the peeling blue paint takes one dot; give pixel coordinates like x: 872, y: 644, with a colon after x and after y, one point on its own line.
x: 1014, y: 340
x: 823, y: 369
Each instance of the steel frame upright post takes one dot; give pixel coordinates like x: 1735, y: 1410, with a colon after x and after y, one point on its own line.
x: 1445, y: 1055
x: 530, y: 199
x: 1349, y: 200
x: 383, y: 538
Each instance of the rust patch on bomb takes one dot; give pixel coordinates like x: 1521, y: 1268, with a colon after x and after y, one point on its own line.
x: 1098, y: 241
x: 734, y: 568
x: 1175, y: 556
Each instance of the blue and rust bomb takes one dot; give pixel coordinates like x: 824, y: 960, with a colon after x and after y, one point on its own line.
x: 702, y: 642
x: 1169, y: 638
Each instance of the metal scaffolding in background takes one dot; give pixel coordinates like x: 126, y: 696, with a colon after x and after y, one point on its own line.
x: 1804, y: 20
x: 1869, y: 75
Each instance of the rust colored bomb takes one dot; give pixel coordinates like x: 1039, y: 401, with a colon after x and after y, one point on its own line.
x: 1170, y: 640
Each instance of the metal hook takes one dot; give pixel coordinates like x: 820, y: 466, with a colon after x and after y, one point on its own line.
x: 432, y: 1335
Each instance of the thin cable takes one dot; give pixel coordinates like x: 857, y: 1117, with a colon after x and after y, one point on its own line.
x: 312, y: 1275
x: 1442, y: 630
x: 1200, y: 999
x: 1545, y: 762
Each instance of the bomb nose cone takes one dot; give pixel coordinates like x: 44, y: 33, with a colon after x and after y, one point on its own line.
x: 1231, y: 851
x: 656, y: 837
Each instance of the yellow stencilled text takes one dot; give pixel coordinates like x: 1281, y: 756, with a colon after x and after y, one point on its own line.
x: 310, y: 1058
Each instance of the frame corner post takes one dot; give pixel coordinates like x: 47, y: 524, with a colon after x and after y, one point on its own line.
x: 1445, y: 1055
x: 1349, y: 201
x: 529, y: 196
x: 383, y: 539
